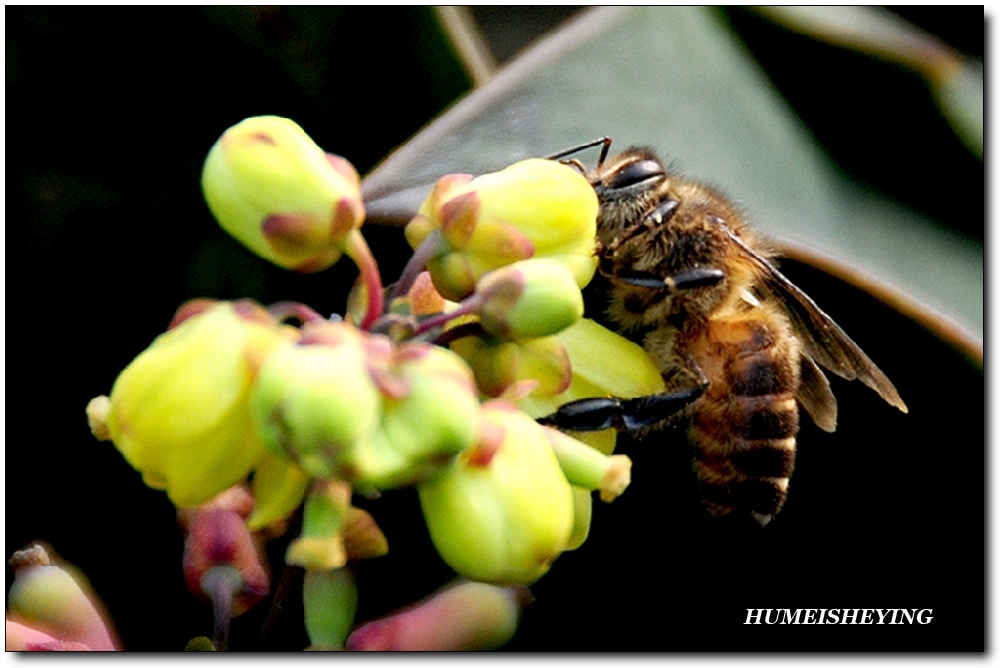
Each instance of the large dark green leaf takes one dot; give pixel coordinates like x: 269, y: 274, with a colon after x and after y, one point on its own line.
x: 678, y: 80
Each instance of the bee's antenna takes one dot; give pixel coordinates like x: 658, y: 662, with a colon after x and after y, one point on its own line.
x: 604, y: 142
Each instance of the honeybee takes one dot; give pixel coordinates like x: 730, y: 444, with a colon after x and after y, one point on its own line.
x: 738, y: 345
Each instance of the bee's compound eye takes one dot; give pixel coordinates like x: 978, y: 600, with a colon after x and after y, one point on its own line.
x: 634, y: 173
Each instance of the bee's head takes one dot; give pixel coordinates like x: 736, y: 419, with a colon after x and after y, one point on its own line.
x: 629, y: 175
x: 626, y: 186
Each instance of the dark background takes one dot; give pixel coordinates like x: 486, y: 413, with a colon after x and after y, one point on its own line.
x: 110, y: 114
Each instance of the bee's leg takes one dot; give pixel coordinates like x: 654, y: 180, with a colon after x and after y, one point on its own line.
x: 702, y: 277
x: 651, y: 223
x: 621, y: 414
x: 603, y: 142
x: 648, y: 224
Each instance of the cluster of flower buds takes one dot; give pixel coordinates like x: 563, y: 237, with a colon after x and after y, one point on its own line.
x: 314, y: 413
x: 349, y: 405
x: 533, y: 209
x: 514, y: 248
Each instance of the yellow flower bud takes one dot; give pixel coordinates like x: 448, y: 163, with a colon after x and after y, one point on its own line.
x: 534, y: 208
x: 529, y: 299
x: 504, y: 511
x: 278, y: 488
x: 423, y: 299
x: 179, y: 412
x: 270, y: 186
x: 363, y: 539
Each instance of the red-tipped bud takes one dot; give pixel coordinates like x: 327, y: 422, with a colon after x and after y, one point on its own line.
x: 466, y: 616
x: 277, y: 192
x: 504, y: 511
x: 535, y: 208
x: 529, y: 299
x: 217, y: 535
x: 55, y: 599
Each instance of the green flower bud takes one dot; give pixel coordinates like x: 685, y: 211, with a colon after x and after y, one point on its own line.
x: 529, y: 299
x: 330, y: 599
x: 315, y: 401
x: 439, y: 414
x: 534, y: 208
x: 430, y: 414
x: 504, y: 511
x: 56, y: 599
x: 179, y: 412
x: 270, y: 186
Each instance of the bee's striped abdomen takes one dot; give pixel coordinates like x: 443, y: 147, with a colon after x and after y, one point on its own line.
x: 744, y: 427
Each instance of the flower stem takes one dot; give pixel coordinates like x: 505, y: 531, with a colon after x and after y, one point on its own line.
x: 220, y: 583
x: 458, y: 332
x: 469, y: 305
x: 283, y: 310
x: 357, y: 249
x: 427, y: 249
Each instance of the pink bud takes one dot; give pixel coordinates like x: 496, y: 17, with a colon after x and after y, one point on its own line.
x: 463, y: 617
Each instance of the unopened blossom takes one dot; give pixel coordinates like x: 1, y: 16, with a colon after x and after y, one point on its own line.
x: 503, y: 512
x: 532, y: 209
x: 270, y: 186
x: 55, y: 599
x: 179, y: 413
x: 529, y: 299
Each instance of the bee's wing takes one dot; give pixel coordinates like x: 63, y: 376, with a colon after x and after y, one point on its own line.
x: 823, y: 339
x: 815, y: 395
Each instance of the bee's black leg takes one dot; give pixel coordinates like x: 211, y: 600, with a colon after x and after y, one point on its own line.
x: 649, y: 410
x: 603, y: 142
x: 585, y: 415
x: 621, y: 414
x: 702, y: 277
x: 648, y: 224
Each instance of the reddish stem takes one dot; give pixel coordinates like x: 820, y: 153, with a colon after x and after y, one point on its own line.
x: 469, y: 305
x: 357, y: 249
x: 427, y: 249
x: 283, y: 310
